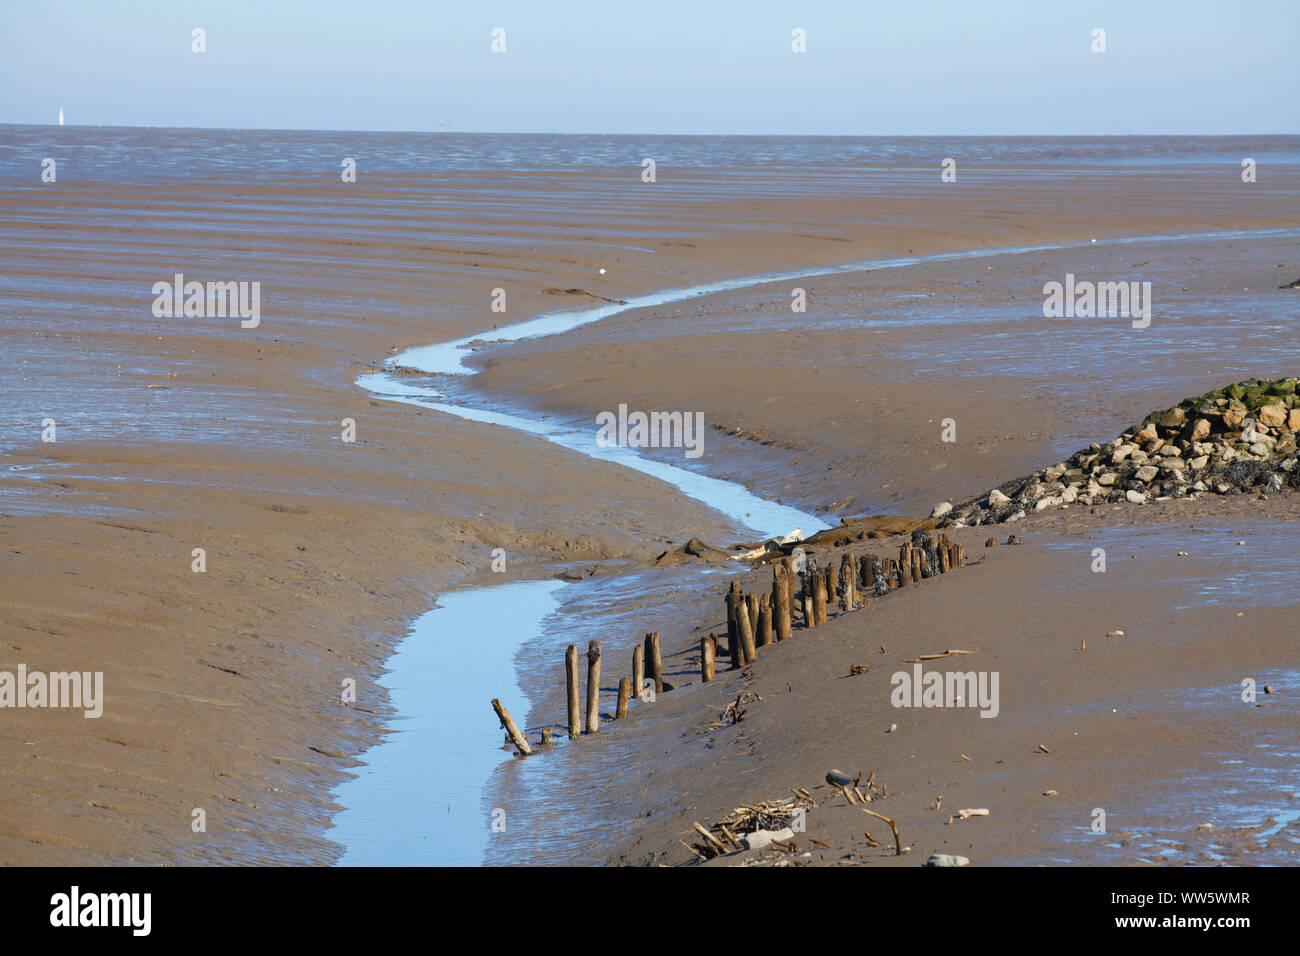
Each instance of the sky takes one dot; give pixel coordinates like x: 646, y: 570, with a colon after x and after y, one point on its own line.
x: 902, y: 67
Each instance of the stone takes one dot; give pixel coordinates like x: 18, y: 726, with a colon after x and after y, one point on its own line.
x: 1146, y: 473
x: 941, y: 509
x: 1234, y: 414
x: 1122, y: 452
x: 1108, y: 479
x: 1199, y: 463
x: 1200, y: 430
x: 1171, y: 418
x: 761, y: 839
x: 1013, y: 539
x: 946, y: 859
x: 1069, y: 494
x: 1273, y: 416
x: 1136, y: 497
x: 1147, y: 434
x: 997, y: 499
x: 838, y: 778
x: 1259, y: 450
x: 1293, y: 419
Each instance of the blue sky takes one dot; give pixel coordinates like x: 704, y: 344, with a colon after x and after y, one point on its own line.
x: 903, y: 67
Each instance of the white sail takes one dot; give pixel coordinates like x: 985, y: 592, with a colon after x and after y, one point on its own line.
x: 60, y: 117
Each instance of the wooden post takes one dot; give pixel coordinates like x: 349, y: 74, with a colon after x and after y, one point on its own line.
x: 571, y: 674
x: 733, y: 628
x: 593, y: 687
x: 751, y: 605
x: 806, y: 586
x: 733, y: 600
x: 832, y: 580
x: 781, y: 600
x: 746, y: 639
x: 708, y: 650
x: 516, y: 737
x: 848, y: 576
x: 945, y: 555
x: 961, y: 556
x: 789, y: 574
x: 764, y: 636
x: 819, y: 597
x: 624, y: 691
x: 548, y: 737
x: 654, y: 663
x: 638, y: 670
x: 918, y: 557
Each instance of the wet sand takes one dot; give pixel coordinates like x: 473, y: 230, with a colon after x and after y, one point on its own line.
x: 223, y: 687
x: 1149, y: 726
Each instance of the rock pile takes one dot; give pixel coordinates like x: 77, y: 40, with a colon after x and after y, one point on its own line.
x: 1241, y: 438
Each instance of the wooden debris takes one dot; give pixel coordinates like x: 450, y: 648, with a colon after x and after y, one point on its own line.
x: 713, y: 841
x: 935, y: 657
x: 692, y: 849
x: 898, y: 844
x: 516, y: 738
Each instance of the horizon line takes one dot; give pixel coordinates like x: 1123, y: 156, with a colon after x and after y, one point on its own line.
x: 309, y: 129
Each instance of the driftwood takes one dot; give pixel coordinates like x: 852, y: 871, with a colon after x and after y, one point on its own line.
x: 898, y: 844
x: 516, y: 737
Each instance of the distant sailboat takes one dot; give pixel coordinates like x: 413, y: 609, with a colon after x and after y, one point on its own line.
x: 60, y: 117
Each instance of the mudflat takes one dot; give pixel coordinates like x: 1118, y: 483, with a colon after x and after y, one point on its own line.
x: 222, y: 685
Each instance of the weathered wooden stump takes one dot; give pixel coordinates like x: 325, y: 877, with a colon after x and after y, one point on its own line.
x: 654, y: 662
x: 593, y: 687
x: 624, y: 692
x: 516, y: 737
x: 764, y: 636
x: 638, y: 669
x: 571, y: 677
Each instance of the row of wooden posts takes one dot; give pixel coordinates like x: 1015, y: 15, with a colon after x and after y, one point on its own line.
x: 754, y: 621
